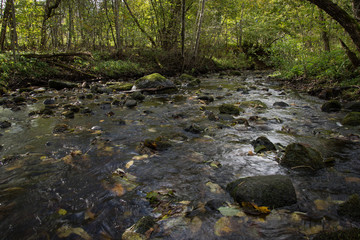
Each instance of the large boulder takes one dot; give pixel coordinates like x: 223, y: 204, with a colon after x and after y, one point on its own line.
x: 331, y: 106
x: 301, y: 157
x: 58, y: 84
x: 272, y: 191
x: 230, y: 109
x: 263, y: 144
x: 352, y: 119
x: 154, y: 81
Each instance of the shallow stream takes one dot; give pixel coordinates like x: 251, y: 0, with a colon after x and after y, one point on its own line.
x: 91, y: 182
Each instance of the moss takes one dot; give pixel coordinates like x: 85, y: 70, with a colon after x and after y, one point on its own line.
x: 186, y: 77
x: 351, y: 207
x: 300, y: 157
x: 121, y: 86
x: 230, y: 109
x: 352, y: 119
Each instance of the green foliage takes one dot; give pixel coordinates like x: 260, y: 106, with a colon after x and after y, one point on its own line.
x: 24, y: 68
x: 116, y: 69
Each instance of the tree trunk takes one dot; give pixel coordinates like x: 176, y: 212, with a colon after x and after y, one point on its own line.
x: 324, y: 32
x: 14, y: 39
x: 356, y: 9
x: 138, y: 24
x: 71, y: 27
x: 48, y: 12
x: 355, y: 61
x: 183, y: 29
x: 198, y: 30
x: 348, y: 22
x: 6, y: 17
x: 117, y: 26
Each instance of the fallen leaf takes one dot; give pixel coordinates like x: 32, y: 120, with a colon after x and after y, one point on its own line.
x: 222, y: 227
x: 321, y: 204
x: 253, y: 209
x: 352, y: 179
x: 129, y: 164
x: 251, y: 153
x: 89, y: 215
x: 214, y: 188
x: 102, y: 121
x: 118, y: 189
x: 229, y: 212
x: 76, y: 153
x: 141, y: 157
x: 66, y: 231
x: 196, y: 224
x: 62, y: 212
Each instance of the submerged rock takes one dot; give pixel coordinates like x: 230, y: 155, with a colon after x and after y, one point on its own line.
x: 352, y: 119
x: 348, y: 234
x: 194, y: 128
x: 301, y: 157
x: 281, y: 104
x: 353, y: 106
x: 351, y: 208
x: 272, y: 191
x: 140, y: 229
x: 331, y: 106
x: 263, y: 144
x: 60, y: 128
x: 254, y: 104
x: 159, y: 143
x: 230, y: 109
x: 155, y: 81
x: 5, y: 124
x: 58, y: 84
x: 138, y: 96
x: 130, y: 103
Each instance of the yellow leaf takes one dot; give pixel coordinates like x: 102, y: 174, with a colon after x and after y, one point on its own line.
x: 352, y: 179
x: 142, y: 157
x: 214, y: 188
x: 254, y: 209
x: 89, y: 215
x: 102, y: 121
x: 129, y: 164
x: 321, y: 204
x: 118, y: 189
x: 66, y: 231
x: 195, y: 224
x: 62, y: 212
x: 222, y: 227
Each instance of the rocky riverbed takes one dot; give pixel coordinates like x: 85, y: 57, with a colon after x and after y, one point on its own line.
x: 218, y: 157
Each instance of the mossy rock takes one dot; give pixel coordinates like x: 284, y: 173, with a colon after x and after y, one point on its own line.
x: 160, y: 143
x: 348, y: 234
x: 272, y: 191
x: 186, y: 77
x: 119, y: 86
x: 331, y: 106
x: 301, y: 157
x: 58, y: 84
x: 263, y: 144
x: 154, y: 81
x: 352, y: 119
x: 139, y: 229
x: 230, y: 109
x: 254, y: 104
x: 353, y: 106
x: 351, y: 207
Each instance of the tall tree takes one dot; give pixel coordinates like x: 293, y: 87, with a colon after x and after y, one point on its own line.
x: 48, y: 13
x: 198, y: 28
x: 348, y: 22
x: 5, y: 19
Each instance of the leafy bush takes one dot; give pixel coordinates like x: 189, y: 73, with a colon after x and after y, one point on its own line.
x: 115, y: 69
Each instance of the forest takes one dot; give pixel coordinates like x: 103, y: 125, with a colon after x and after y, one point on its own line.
x: 316, y: 40
x: 180, y: 119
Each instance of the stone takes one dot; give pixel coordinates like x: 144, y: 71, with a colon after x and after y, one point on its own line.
x: 298, y: 156
x: 353, y: 106
x: 121, y: 86
x: 68, y: 114
x: 331, y: 106
x: 272, y: 191
x: 60, y: 128
x: 280, y: 104
x: 58, y: 84
x: 263, y: 144
x: 230, y: 109
x: 351, y: 119
x: 139, y: 230
x: 5, y: 124
x: 49, y: 101
x: 206, y: 98
x: 194, y: 128
x: 130, y: 103
x: 351, y: 207
x: 138, y: 96
x: 254, y: 104
x: 155, y: 81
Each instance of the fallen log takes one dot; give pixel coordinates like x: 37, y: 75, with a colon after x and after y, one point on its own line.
x: 85, y: 55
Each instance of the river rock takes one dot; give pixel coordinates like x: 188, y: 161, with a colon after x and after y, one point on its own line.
x: 60, y: 128
x: 120, y: 86
x: 58, y: 84
x: 206, y: 98
x: 49, y: 101
x: 155, y: 81
x: 331, y: 106
x: 138, y: 96
x: 351, y: 207
x: 353, y: 106
x: 130, y: 103
x: 230, y: 109
x: 254, y: 104
x: 5, y: 124
x: 352, y: 119
x: 298, y: 156
x: 68, y: 114
x: 263, y: 144
x: 139, y: 229
x: 194, y: 128
x: 272, y: 191
x: 160, y: 143
x: 280, y: 104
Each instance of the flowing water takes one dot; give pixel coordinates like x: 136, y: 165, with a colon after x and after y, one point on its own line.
x: 69, y: 186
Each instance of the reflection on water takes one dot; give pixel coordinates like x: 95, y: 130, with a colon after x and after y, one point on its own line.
x: 66, y: 185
